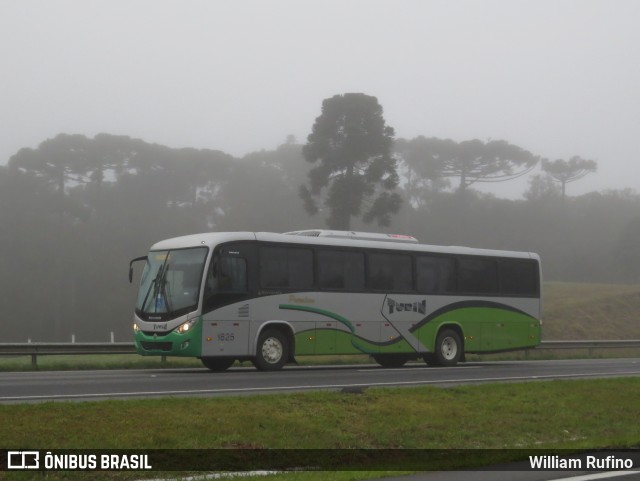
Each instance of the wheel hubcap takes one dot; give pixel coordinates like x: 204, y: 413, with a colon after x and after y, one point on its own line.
x: 449, y: 348
x: 272, y: 350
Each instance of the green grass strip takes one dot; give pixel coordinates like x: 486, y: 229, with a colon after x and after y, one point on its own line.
x: 558, y: 414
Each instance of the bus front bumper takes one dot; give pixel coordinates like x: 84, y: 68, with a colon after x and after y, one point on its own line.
x: 169, y: 344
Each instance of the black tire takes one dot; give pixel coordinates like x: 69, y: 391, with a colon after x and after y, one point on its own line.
x: 272, y: 350
x: 430, y: 359
x: 390, y: 360
x: 449, y: 348
x: 217, y: 364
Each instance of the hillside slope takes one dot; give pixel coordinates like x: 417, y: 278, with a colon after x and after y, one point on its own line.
x: 575, y: 311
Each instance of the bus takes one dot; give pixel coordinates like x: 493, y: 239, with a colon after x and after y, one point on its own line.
x: 270, y: 298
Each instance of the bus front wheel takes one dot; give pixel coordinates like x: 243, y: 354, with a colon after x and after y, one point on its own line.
x: 448, y: 348
x: 272, y: 350
x: 217, y: 364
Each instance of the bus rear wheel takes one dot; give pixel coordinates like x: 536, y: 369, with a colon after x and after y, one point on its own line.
x: 272, y: 350
x: 217, y: 364
x: 448, y: 348
x: 390, y: 360
x: 430, y: 359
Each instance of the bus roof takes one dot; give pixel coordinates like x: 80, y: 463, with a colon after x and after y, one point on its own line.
x: 212, y: 239
x: 354, y: 235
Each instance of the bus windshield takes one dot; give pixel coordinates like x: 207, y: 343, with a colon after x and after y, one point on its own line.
x: 170, y: 283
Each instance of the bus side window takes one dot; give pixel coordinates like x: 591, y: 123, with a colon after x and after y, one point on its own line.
x: 341, y: 270
x: 477, y: 276
x: 390, y: 272
x: 435, y: 275
x: 519, y: 277
x: 286, y: 267
x: 232, y: 275
x: 226, y: 276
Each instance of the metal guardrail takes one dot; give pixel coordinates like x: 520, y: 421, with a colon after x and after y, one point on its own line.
x: 12, y: 349
x: 590, y: 345
x: 35, y: 349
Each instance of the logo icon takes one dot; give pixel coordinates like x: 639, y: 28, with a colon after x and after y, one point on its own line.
x: 23, y: 460
x: 395, y: 306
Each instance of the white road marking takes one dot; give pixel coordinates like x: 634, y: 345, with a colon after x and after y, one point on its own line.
x: 591, y: 477
x: 238, y: 474
x: 415, y: 368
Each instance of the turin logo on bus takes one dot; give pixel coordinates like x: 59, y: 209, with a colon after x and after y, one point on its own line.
x: 395, y: 306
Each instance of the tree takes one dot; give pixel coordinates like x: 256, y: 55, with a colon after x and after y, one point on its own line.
x: 352, y: 145
x: 471, y: 160
x: 423, y: 179
x: 61, y: 162
x: 263, y: 183
x: 569, y: 171
x: 542, y: 188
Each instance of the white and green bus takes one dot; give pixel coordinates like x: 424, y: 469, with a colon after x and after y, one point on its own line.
x: 268, y: 298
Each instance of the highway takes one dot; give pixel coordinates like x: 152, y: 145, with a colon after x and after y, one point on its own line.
x: 17, y: 387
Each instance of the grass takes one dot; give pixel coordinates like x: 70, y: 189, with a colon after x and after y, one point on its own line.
x: 575, y: 311
x: 559, y: 414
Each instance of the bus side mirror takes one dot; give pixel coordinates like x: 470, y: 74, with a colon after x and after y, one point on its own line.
x: 143, y: 258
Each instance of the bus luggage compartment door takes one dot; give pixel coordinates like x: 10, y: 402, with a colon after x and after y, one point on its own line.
x: 225, y: 338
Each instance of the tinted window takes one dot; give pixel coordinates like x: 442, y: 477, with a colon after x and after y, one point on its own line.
x: 341, y: 270
x: 477, y: 276
x: 519, y: 277
x: 286, y: 267
x: 232, y: 274
x: 435, y: 274
x: 390, y: 272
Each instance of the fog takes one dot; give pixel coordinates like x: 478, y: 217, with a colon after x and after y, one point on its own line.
x: 556, y: 78
x: 123, y: 123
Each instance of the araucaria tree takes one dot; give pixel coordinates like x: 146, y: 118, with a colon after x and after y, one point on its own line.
x: 566, y: 171
x: 356, y: 172
x: 471, y: 161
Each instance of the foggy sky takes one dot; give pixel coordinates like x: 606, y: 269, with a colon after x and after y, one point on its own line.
x: 559, y: 78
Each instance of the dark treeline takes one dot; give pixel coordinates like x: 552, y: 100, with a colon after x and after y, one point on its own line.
x: 75, y: 210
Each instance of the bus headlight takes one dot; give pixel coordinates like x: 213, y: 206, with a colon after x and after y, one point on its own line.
x: 187, y: 326
x: 135, y: 327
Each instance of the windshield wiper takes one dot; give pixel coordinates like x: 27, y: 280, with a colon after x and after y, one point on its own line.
x: 163, y: 289
x: 156, y: 284
x: 146, y: 296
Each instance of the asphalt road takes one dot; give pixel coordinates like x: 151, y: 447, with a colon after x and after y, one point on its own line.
x: 93, y: 385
